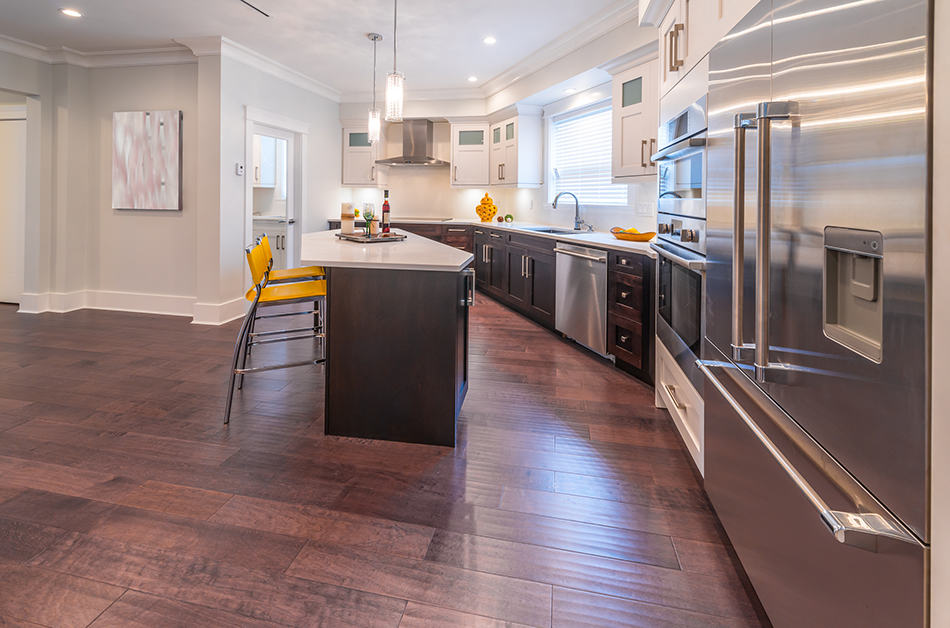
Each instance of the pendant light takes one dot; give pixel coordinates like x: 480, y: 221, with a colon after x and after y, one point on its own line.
x: 395, y: 82
x: 374, y: 113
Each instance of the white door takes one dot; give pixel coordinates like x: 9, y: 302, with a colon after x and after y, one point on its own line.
x: 634, y: 121
x: 509, y: 168
x: 497, y: 153
x: 274, y: 203
x: 12, y: 208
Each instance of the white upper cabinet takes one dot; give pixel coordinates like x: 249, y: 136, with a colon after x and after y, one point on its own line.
x: 689, y: 31
x: 359, y: 159
x: 635, y: 119
x: 264, y: 168
x: 516, y: 151
x: 470, y: 154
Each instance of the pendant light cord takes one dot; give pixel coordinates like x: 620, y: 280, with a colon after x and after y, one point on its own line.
x: 374, y: 72
x: 395, y: 13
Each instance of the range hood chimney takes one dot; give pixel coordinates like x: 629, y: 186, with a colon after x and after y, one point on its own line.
x: 416, y: 146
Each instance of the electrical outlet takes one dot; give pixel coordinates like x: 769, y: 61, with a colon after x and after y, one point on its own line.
x: 645, y: 209
x: 239, y: 169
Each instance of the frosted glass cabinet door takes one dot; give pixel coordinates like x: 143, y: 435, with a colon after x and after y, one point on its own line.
x: 470, y: 154
x: 359, y: 158
x: 497, y: 153
x: 635, y: 121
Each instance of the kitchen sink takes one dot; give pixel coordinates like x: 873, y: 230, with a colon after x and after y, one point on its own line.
x: 550, y: 230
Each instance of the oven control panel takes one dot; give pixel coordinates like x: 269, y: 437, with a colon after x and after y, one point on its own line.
x: 684, y: 231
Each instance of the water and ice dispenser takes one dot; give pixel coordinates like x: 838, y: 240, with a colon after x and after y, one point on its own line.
x: 853, y: 283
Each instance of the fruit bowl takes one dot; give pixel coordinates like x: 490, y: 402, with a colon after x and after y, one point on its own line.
x: 632, y: 235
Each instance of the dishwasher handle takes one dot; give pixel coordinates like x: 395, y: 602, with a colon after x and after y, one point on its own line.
x: 593, y: 258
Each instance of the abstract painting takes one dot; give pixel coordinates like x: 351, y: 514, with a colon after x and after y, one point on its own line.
x: 146, y: 160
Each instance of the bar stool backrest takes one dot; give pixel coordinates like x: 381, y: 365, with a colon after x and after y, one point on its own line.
x: 268, y: 254
x: 258, y: 263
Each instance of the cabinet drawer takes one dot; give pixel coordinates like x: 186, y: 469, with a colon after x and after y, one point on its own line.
x: 625, y: 339
x: 625, y: 295
x: 463, y: 242
x: 426, y: 231
x: 630, y: 263
x: 532, y: 242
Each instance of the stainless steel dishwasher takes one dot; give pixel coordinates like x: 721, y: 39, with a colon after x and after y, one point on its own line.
x: 580, y: 311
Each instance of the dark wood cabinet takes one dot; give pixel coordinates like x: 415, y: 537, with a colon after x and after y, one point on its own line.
x: 630, y: 334
x: 517, y: 289
x: 498, y: 263
x: 541, y: 285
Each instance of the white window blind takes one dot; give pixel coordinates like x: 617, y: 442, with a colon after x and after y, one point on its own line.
x: 580, y: 157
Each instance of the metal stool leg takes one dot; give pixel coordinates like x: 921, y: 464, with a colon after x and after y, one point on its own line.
x: 239, y: 347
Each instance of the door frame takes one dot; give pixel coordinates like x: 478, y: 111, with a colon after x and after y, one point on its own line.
x: 297, y: 182
x: 16, y: 112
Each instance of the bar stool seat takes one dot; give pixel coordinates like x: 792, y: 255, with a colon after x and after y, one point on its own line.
x: 296, y: 274
x: 287, y: 292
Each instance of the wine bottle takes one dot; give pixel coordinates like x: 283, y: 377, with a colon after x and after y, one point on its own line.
x: 385, y: 221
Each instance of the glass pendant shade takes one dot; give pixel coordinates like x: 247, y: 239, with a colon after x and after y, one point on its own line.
x: 374, y: 124
x: 395, y: 83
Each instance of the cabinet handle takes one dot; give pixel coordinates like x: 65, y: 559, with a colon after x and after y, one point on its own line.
x: 624, y: 295
x: 479, y: 232
x: 524, y: 273
x: 624, y: 339
x: 643, y: 160
x: 527, y: 267
x: 675, y: 62
x: 504, y: 175
x: 499, y: 172
x: 460, y: 231
x: 652, y: 150
x: 257, y: 174
x: 455, y: 176
x: 623, y: 261
x: 494, y: 235
x: 671, y: 391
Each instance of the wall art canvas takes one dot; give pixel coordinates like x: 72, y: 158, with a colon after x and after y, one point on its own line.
x: 146, y: 160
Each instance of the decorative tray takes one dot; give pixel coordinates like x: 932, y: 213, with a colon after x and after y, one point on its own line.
x: 359, y: 236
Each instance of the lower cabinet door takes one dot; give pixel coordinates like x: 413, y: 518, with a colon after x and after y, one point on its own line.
x: 517, y: 281
x: 625, y: 339
x: 498, y: 275
x: 542, y: 282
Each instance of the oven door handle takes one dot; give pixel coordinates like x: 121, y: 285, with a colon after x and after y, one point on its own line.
x: 697, y: 265
x: 673, y: 150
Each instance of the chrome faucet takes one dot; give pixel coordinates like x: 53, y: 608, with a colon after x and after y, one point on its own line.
x: 578, y: 221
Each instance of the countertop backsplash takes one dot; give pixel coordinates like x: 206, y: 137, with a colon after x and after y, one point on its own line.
x: 426, y: 193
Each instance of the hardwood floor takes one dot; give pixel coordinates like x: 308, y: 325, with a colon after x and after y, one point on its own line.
x: 124, y: 501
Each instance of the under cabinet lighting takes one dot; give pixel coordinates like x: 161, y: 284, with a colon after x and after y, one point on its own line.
x: 70, y: 12
x: 489, y: 41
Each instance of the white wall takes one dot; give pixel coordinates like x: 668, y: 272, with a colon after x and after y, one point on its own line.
x: 136, y: 252
x: 244, y: 86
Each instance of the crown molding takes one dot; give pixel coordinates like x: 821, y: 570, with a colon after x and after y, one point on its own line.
x: 644, y: 53
x: 462, y: 93
x: 651, y: 12
x: 619, y: 13
x: 245, y: 55
x: 103, y: 59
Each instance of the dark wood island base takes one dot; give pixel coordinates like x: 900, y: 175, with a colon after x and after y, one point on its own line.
x: 397, y: 353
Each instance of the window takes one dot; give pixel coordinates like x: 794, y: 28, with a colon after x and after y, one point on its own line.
x: 580, y: 157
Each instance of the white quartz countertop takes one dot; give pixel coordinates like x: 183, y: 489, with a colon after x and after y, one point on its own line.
x: 323, y: 248
x: 596, y: 239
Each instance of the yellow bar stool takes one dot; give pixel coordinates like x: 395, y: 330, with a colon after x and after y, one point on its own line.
x: 288, y: 275
x: 265, y: 295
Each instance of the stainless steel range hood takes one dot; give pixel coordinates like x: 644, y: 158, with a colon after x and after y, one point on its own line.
x: 416, y: 146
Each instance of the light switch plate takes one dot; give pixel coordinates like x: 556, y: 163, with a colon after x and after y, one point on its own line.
x: 239, y: 169
x: 645, y: 209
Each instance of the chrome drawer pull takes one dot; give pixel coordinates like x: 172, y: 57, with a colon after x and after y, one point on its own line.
x: 671, y: 391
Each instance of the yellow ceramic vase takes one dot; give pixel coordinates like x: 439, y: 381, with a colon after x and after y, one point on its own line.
x: 486, y: 210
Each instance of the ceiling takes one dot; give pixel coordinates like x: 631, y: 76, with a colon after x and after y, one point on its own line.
x: 440, y: 41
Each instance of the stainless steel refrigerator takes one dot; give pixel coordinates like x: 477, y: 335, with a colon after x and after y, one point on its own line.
x: 816, y: 352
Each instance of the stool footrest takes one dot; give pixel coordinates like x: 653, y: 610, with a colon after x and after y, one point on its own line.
x: 280, y: 331
x: 286, y: 339
x: 275, y: 367
x: 307, y: 313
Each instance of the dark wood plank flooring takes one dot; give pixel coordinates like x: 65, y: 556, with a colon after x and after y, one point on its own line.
x: 124, y: 501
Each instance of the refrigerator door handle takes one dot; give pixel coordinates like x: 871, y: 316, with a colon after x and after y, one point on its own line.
x: 850, y: 528
x: 743, y: 122
x: 766, y: 112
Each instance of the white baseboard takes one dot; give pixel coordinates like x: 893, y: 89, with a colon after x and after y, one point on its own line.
x: 59, y: 302
x: 140, y: 302
x: 219, y: 313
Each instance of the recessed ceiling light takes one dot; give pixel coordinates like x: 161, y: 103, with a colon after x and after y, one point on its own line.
x: 70, y: 12
x: 472, y: 79
x: 489, y: 41
x: 570, y: 90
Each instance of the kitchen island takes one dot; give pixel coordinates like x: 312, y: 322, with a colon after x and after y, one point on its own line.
x: 397, y: 336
